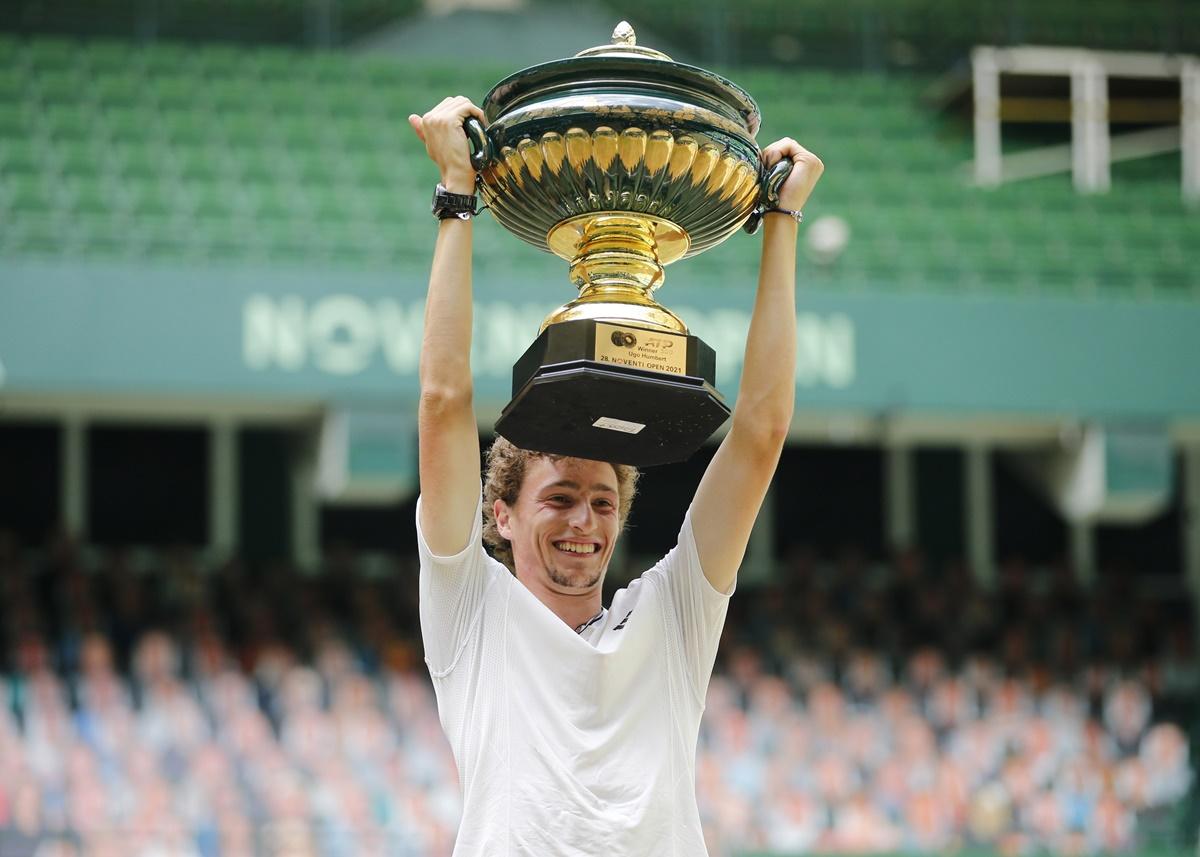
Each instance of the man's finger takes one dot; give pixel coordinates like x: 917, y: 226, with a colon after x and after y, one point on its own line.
x: 772, y: 156
x: 415, y: 121
x: 464, y: 107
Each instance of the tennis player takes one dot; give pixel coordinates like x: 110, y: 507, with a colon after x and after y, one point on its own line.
x: 573, y: 725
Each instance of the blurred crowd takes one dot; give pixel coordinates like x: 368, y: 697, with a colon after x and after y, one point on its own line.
x: 153, y: 706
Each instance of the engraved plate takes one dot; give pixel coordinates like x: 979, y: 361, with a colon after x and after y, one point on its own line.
x: 619, y: 425
x: 641, y: 349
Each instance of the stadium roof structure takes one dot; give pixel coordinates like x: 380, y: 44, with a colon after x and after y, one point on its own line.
x: 1117, y: 105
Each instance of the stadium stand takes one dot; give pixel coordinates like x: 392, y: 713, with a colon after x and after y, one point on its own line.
x: 161, y: 707
x: 229, y: 156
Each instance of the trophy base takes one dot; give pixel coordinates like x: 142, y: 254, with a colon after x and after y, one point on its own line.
x: 614, y: 392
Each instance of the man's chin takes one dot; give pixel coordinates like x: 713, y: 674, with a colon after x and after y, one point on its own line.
x: 583, y: 579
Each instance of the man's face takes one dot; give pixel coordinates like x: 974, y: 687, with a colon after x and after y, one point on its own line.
x: 564, y: 524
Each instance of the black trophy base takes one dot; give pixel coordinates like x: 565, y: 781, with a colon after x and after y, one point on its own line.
x: 586, y: 389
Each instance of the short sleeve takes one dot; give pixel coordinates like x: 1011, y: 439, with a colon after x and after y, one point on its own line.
x: 452, y: 591
x: 698, y: 609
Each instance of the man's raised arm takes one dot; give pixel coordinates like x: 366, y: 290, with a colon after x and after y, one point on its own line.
x: 448, y: 436
x: 732, y: 490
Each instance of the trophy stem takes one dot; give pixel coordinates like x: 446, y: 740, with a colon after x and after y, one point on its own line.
x: 618, y: 261
x: 617, y: 250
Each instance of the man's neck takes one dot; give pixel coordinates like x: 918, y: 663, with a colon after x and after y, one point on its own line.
x: 574, y: 610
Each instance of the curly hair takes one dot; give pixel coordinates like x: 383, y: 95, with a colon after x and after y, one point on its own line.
x: 504, y: 473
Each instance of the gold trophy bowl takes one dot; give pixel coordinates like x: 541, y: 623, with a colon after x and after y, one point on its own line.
x: 619, y: 161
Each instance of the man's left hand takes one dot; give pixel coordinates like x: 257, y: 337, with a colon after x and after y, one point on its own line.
x: 806, y: 169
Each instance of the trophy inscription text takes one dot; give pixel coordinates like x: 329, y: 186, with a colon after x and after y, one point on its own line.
x: 640, y: 348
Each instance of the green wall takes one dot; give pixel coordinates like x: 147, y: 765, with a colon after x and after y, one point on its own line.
x: 309, y: 335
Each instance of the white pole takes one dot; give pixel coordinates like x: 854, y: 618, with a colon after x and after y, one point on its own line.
x: 1190, y: 129
x: 1089, y: 128
x: 985, y: 73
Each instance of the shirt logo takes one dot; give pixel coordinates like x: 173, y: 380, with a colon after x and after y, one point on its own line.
x: 621, y: 624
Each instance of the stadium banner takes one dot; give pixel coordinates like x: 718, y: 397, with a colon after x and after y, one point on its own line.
x: 333, y: 335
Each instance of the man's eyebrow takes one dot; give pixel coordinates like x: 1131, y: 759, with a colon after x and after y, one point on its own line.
x: 571, y: 483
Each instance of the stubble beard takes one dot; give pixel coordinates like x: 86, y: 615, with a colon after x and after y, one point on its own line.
x: 571, y: 581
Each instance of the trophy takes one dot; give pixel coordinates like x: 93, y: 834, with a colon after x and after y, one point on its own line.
x: 620, y: 161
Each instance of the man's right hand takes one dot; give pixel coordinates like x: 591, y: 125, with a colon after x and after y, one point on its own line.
x: 441, y: 130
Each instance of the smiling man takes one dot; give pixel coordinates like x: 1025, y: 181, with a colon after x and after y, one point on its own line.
x: 574, y: 727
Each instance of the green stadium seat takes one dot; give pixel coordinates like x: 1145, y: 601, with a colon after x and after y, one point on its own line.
x: 103, y: 57
x: 282, y: 97
x: 271, y: 64
x: 14, y: 84
x: 88, y: 196
x: 17, y: 121
x: 68, y: 121
x: 81, y: 158
x: 152, y: 200
x: 137, y: 160
x: 295, y: 132
x: 260, y: 166
x: 205, y: 200
x: 120, y: 88
x: 127, y: 124
x: 316, y: 169
x: 103, y: 238
x: 30, y: 194
x: 275, y: 205
x: 221, y: 63
x: 242, y: 130
x: 33, y: 237
x: 163, y: 59
x: 174, y: 91
x: 48, y: 54
x: 200, y: 163
x: 186, y: 126
x: 69, y: 85
x: 21, y: 156
x: 228, y: 96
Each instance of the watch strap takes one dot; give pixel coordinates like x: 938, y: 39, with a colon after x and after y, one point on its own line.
x: 447, y: 204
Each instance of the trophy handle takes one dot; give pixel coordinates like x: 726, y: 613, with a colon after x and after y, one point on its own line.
x: 769, y: 197
x: 481, y: 144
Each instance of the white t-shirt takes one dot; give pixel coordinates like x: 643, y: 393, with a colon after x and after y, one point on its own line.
x: 572, y: 745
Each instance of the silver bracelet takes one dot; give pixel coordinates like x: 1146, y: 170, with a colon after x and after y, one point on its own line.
x: 795, y: 215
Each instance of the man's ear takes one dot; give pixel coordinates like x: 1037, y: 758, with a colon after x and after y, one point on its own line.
x: 500, y: 510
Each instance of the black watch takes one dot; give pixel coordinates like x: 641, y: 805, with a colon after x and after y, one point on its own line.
x: 447, y: 205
